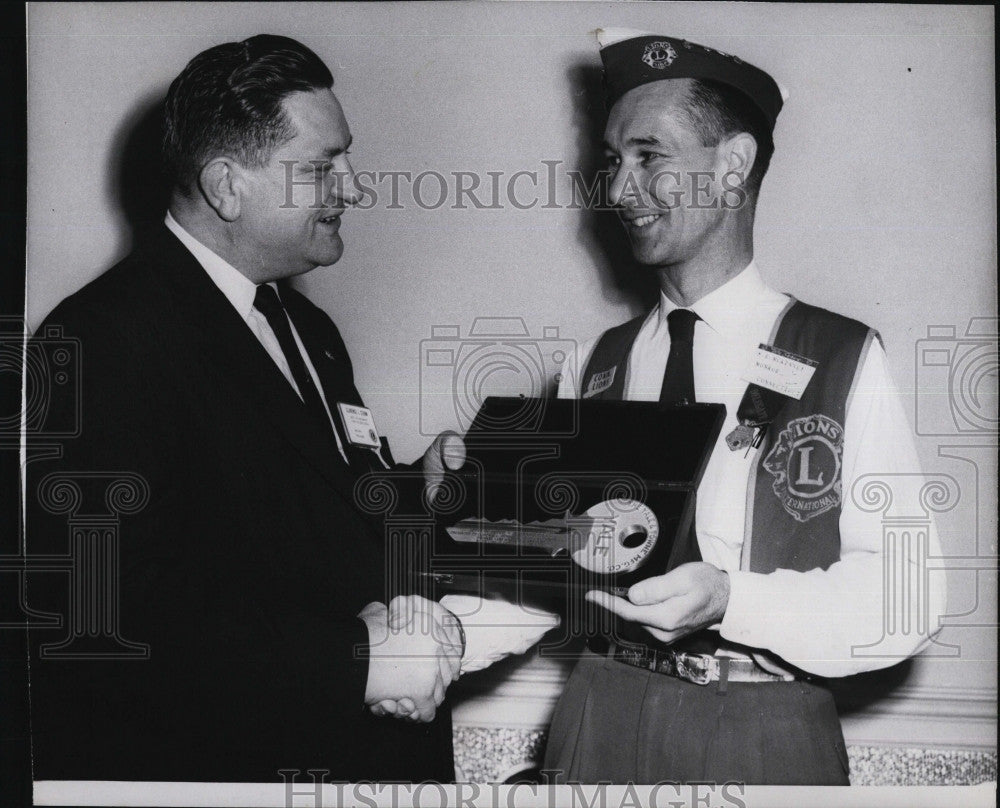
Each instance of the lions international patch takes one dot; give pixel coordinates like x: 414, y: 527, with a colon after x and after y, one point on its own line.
x: 806, y: 463
x: 659, y: 55
x: 600, y: 382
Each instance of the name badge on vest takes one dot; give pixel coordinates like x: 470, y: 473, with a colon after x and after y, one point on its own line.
x: 774, y: 376
x: 600, y: 382
x: 780, y: 370
x: 359, y: 425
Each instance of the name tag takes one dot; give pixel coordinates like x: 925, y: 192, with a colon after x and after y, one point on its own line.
x: 359, y: 425
x: 779, y: 370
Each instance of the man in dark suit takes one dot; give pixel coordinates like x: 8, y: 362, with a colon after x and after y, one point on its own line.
x: 251, y: 573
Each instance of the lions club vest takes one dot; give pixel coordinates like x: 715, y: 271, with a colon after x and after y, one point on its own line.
x: 795, y: 489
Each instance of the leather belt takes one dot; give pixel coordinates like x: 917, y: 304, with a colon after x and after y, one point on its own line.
x: 700, y: 669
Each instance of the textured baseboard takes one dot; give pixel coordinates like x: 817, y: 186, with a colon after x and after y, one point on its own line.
x: 494, y: 754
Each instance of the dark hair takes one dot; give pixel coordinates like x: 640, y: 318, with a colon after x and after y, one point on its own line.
x: 717, y: 111
x: 228, y: 101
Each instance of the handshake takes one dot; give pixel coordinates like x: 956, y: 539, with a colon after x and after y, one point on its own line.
x: 415, y: 652
x: 418, y: 647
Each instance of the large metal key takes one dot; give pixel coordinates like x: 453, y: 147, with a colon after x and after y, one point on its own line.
x: 612, y: 536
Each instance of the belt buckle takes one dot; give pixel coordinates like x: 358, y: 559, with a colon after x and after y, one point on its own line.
x: 695, y: 668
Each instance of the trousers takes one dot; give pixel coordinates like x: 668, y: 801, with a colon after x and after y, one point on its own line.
x: 619, y: 724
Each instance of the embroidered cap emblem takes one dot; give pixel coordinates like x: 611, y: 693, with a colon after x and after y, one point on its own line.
x: 806, y: 464
x: 659, y: 55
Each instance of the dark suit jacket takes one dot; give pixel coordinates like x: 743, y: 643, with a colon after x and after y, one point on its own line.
x: 245, y: 571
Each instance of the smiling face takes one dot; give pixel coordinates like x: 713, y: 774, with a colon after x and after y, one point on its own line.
x: 289, y: 220
x: 666, y: 184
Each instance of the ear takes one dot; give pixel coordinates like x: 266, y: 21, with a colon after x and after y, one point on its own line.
x: 220, y: 184
x: 738, y: 155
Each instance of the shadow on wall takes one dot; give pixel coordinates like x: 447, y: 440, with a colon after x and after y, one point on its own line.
x: 600, y: 232
x: 136, y: 180
x: 855, y: 693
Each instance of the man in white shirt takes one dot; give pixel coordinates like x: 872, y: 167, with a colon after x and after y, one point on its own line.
x: 789, y: 581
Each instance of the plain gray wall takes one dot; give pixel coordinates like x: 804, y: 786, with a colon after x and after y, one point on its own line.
x: 880, y: 202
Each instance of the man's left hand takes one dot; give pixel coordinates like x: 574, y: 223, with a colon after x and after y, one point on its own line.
x: 446, y: 453
x: 671, y: 606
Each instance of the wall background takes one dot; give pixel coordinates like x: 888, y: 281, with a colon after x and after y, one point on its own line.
x: 880, y: 203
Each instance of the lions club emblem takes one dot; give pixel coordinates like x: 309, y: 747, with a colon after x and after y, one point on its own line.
x: 806, y: 464
x: 659, y: 55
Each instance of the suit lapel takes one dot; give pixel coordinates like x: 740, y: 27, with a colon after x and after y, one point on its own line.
x: 220, y: 335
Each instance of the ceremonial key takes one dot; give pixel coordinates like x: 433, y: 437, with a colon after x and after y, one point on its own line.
x: 612, y: 536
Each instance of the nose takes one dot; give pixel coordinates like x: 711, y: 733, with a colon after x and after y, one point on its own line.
x: 623, y: 190
x: 345, y: 188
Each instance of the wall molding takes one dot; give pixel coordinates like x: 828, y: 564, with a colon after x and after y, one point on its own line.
x: 932, y: 716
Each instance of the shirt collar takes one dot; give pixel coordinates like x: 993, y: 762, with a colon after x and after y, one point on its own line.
x: 237, y: 287
x: 724, y: 309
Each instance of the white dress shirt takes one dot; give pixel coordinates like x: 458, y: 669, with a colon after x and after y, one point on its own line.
x: 812, y: 619
x: 240, y: 291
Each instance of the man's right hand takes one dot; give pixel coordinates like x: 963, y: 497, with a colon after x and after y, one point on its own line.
x: 411, y: 661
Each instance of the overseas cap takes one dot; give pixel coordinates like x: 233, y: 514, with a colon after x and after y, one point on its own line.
x: 632, y: 58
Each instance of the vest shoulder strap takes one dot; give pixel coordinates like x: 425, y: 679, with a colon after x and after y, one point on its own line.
x: 816, y: 331
x: 795, y: 489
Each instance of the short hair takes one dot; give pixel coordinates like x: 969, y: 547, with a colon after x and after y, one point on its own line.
x: 717, y: 111
x: 228, y: 100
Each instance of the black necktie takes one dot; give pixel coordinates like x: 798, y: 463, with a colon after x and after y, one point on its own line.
x: 678, y: 379
x: 269, y: 304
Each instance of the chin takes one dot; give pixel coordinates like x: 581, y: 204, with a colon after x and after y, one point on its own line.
x: 329, y: 258
x: 649, y: 258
